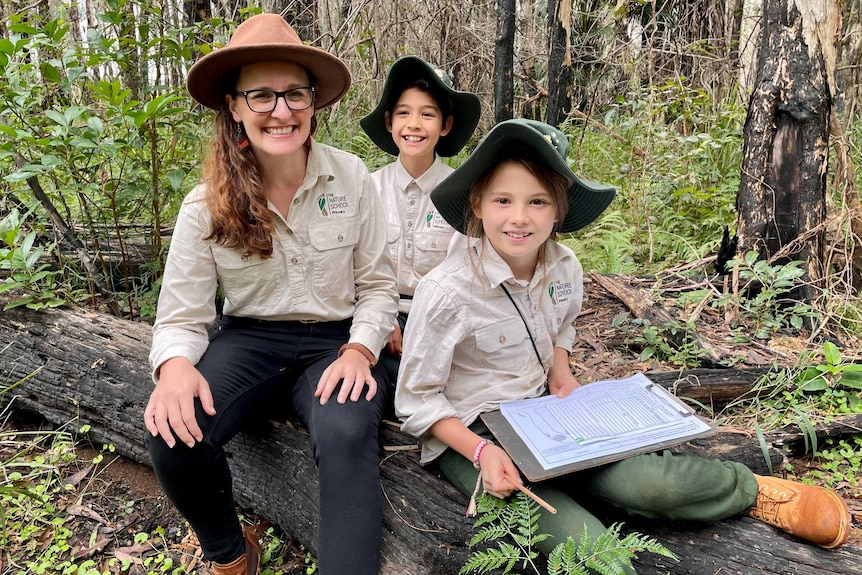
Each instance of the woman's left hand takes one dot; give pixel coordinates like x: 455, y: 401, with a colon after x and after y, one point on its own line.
x: 353, y: 371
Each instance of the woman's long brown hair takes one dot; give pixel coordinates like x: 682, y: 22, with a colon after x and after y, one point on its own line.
x: 235, y: 195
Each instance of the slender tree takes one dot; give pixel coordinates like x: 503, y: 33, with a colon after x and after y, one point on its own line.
x: 504, y: 54
x: 559, y: 63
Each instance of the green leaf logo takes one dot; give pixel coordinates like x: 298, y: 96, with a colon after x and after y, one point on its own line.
x: 321, y: 203
x: 428, y: 217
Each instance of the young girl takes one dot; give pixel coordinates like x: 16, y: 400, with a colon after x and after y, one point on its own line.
x: 420, y: 117
x: 292, y: 232
x: 495, y: 322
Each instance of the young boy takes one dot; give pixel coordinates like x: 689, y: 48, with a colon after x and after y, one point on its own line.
x: 419, y: 118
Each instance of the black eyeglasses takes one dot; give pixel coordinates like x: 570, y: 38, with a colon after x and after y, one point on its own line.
x: 265, y: 101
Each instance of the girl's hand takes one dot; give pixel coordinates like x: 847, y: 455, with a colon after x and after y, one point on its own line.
x: 563, y: 385
x: 498, y: 472
x: 353, y: 370
x: 393, y: 346
x: 172, y: 406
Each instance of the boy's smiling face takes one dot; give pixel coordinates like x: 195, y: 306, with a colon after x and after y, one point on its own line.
x: 417, y: 124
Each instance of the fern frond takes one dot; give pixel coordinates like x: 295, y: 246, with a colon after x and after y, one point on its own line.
x: 504, y: 556
x: 607, y: 555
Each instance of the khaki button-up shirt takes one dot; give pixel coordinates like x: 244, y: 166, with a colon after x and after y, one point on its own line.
x: 467, y: 349
x: 418, y: 235
x: 330, y: 262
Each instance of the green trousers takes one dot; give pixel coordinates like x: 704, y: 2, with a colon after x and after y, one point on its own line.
x: 656, y: 485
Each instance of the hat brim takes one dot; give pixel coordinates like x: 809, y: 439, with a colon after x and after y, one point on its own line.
x: 466, y: 108
x: 451, y: 197
x: 206, y: 78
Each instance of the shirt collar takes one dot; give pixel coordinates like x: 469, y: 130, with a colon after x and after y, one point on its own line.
x: 318, y: 166
x: 425, y: 182
x: 498, y: 271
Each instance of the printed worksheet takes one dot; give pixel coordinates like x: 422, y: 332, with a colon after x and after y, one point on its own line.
x: 601, y: 419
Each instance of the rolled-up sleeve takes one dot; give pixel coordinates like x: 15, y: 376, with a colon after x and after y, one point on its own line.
x: 374, y: 275
x: 186, y: 305
x: 435, y: 320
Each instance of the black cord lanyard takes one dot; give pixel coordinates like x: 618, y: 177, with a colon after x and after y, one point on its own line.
x: 523, y: 319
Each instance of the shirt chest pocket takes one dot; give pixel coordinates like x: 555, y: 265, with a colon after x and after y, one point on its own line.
x: 332, y: 254
x: 250, y: 282
x: 501, y: 344
x: 393, y: 235
x: 430, y: 251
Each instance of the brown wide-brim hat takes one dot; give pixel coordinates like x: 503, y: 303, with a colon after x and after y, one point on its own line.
x: 521, y: 138
x: 266, y: 38
x: 466, y: 108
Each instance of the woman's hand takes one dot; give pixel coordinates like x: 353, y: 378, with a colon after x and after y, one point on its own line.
x: 172, y: 406
x: 500, y: 477
x: 352, y: 368
x: 393, y: 346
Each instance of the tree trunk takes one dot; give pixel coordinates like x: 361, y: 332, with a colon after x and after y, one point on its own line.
x: 504, y: 55
x: 88, y: 368
x: 559, y: 64
x: 782, y: 193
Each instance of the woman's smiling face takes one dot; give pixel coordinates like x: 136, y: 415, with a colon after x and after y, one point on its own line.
x: 282, y: 131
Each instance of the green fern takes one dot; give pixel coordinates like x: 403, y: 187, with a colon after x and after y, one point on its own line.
x: 604, y: 556
x: 510, y: 528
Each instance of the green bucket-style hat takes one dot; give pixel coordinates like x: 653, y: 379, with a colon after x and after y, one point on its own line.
x: 466, y: 108
x: 528, y: 138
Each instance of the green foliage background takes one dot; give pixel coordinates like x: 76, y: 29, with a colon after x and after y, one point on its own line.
x: 116, y: 150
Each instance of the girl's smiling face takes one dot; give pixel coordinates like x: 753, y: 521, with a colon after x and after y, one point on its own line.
x: 518, y: 216
x: 282, y: 131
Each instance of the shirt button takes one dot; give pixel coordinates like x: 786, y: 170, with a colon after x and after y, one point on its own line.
x: 502, y: 339
x: 412, y: 202
x: 433, y: 244
x: 295, y: 201
x: 409, y: 224
x: 294, y: 261
x: 340, y: 237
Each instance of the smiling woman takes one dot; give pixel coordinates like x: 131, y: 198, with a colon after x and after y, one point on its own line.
x: 309, y: 302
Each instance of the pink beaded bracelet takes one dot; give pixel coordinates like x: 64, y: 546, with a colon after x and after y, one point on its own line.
x: 477, y: 453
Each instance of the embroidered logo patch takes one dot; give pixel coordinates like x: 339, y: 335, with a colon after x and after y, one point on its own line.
x: 434, y: 222
x: 561, y: 292
x: 331, y: 204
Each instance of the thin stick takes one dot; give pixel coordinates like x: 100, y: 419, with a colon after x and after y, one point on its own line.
x: 531, y: 495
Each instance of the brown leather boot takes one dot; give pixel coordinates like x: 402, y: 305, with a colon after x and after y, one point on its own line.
x: 813, y: 513
x: 246, y: 564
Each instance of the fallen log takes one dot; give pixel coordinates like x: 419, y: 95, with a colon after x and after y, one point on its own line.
x: 642, y: 306
x: 83, y: 367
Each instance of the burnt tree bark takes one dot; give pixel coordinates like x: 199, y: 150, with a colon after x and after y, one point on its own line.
x: 559, y: 63
x: 782, y: 192
x: 91, y: 368
x: 504, y: 58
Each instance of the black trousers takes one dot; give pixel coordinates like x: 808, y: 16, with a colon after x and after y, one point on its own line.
x: 253, y: 366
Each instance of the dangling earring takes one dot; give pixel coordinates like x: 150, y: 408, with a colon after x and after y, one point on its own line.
x: 242, y: 138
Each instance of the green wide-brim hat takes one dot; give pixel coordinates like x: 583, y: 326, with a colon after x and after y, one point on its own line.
x: 521, y: 138
x: 466, y: 108
x: 266, y: 38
